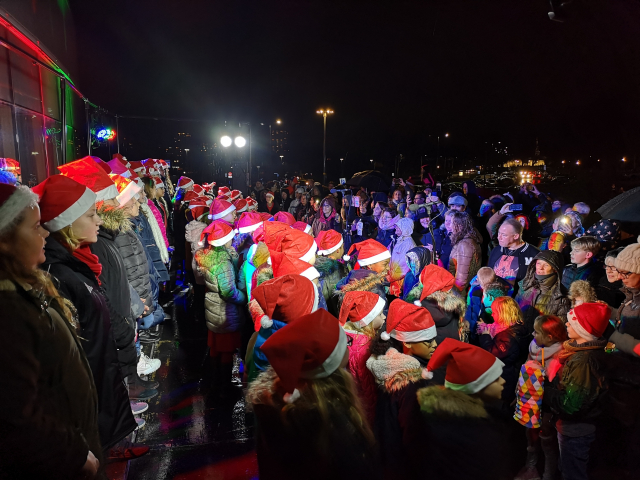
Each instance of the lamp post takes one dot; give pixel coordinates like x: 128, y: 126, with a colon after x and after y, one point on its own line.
x: 186, y: 159
x: 239, y: 141
x: 342, y: 167
x: 324, y: 112
x: 446, y: 135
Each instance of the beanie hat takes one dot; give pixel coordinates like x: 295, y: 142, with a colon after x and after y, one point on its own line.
x: 185, y: 182
x: 303, y: 227
x: 87, y: 172
x: 220, y: 208
x: 285, y: 217
x: 126, y: 189
x: 328, y: 242
x: 223, y: 190
x: 138, y: 167
x: 310, y: 347
x: 198, y: 207
x: 285, y: 298
x: 241, y: 205
x: 435, y: 279
x: 298, y: 245
x: 13, y: 200
x: 198, y: 189
x: 218, y: 234
x: 159, y: 182
x: 407, y: 322
x: 457, y: 199
x: 190, y: 195
x: 62, y: 201
x: 553, y: 258
x: 118, y: 167
x: 360, y: 308
x: 369, y: 252
x: 248, y: 222
x: 589, y: 320
x: 469, y: 368
x: 235, y: 195
x: 283, y: 264
x: 628, y: 260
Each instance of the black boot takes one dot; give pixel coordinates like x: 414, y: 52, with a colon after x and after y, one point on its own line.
x: 551, y: 454
x: 529, y: 471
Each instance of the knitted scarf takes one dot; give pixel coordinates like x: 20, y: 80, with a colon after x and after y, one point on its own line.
x: 326, y: 220
x: 92, y: 261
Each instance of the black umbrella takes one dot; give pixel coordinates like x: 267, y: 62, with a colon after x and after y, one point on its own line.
x: 625, y: 207
x: 372, y: 180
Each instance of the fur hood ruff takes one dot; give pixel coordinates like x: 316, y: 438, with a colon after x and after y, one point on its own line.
x: 444, y: 402
x: 447, y: 301
x: 393, y: 371
x: 365, y: 285
x: 114, y: 220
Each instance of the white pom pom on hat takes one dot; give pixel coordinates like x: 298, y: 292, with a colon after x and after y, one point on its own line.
x: 291, y: 397
x: 266, y: 322
x: 346, y: 258
x: 385, y: 336
x: 427, y: 374
x: 417, y: 303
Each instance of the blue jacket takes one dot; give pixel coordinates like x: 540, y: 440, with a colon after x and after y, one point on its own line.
x: 143, y: 230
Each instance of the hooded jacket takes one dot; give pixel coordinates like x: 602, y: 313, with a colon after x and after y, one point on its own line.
x: 144, y: 230
x: 363, y: 280
x: 49, y: 409
x: 224, y: 301
x: 78, y: 284
x: 421, y: 257
x: 192, y: 232
x: 332, y: 222
x: 331, y: 272
x: 401, y: 246
x: 362, y: 376
x: 535, y: 299
x: 465, y: 261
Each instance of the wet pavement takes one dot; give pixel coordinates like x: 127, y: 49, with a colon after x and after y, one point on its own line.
x: 192, y: 432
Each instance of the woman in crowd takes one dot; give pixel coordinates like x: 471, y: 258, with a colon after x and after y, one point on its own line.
x: 387, y: 226
x: 327, y: 217
x: 304, y: 211
x: 466, y: 254
x: 399, y: 248
x: 270, y: 206
x: 609, y: 288
x: 156, y: 216
x: 285, y: 200
x: 48, y: 412
x: 147, y: 229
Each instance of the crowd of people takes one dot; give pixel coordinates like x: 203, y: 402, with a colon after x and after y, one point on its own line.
x: 382, y: 333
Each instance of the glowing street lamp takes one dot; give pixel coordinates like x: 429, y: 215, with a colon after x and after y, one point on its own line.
x: 324, y: 113
x: 226, y: 141
x: 240, y: 141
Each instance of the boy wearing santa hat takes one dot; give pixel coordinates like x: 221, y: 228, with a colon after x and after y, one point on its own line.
x: 330, y: 265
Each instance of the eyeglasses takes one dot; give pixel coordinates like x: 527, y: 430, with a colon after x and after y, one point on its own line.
x: 610, y: 267
x: 624, y: 274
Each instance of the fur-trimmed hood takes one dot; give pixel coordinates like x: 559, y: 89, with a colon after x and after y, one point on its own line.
x: 114, y: 219
x: 366, y: 284
x: 394, y: 370
x: 447, y: 301
x: 260, y: 391
x: 192, y: 231
x: 265, y: 272
x: 441, y: 401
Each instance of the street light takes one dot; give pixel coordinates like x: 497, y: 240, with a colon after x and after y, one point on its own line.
x: 342, y: 166
x: 240, y: 141
x: 281, y: 157
x: 324, y: 113
x: 226, y: 141
x: 186, y: 158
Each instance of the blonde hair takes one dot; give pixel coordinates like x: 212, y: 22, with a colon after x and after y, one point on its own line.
x: 67, y: 238
x: 506, y: 312
x: 368, y: 330
x: 486, y: 276
x: 584, y: 290
x: 586, y: 243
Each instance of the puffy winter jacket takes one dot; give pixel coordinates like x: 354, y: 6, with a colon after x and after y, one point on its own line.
x: 159, y: 221
x: 135, y: 261
x: 144, y: 230
x: 331, y: 272
x: 362, y: 376
x: 465, y: 261
x: 192, y: 232
x: 224, y: 301
x: 400, y: 248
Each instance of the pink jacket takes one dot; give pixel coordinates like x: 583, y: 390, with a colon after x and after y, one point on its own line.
x: 365, y: 383
x: 158, y: 217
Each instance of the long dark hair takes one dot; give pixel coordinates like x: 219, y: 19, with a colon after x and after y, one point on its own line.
x: 378, y: 346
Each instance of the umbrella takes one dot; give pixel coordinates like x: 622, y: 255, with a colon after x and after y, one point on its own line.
x: 372, y: 180
x: 625, y: 207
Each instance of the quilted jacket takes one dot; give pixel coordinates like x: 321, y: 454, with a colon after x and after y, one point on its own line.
x: 465, y: 261
x: 365, y: 383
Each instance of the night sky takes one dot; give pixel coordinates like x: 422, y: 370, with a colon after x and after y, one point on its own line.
x: 394, y: 72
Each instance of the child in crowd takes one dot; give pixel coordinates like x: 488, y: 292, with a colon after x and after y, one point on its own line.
x: 478, y: 285
x: 361, y: 316
x: 330, y: 265
x: 574, y: 394
x: 507, y: 339
x: 584, y: 265
x: 309, y: 419
x: 410, y: 330
x: 549, y: 336
x: 581, y: 292
x: 373, y: 259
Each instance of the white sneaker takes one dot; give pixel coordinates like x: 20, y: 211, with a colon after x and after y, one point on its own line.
x: 147, y: 366
x: 140, y: 421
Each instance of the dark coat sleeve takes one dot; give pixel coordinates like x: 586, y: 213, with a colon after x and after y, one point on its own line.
x: 32, y: 443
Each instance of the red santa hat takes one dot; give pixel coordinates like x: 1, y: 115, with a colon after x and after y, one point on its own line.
x: 298, y: 245
x: 435, y: 279
x: 268, y: 233
x: 118, y: 167
x: 311, y: 347
x: 126, y: 189
x: 103, y: 165
x: 369, y: 252
x: 62, y: 201
x: 218, y: 234
x: 303, y: 227
x: 248, y: 222
x: 159, y: 182
x: 198, y: 189
x: 223, y: 190
x: 138, y: 167
x: 409, y: 323
x: 285, y: 298
x: 283, y: 264
x: 151, y: 166
x: 251, y: 204
x: 266, y: 216
x: 185, y: 182
x: 198, y: 207
x: 469, y: 368
x: 235, y: 195
x: 285, y: 217
x: 241, y: 205
x: 360, y: 308
x: 87, y: 172
x: 162, y: 163
x: 589, y: 320
x: 13, y: 200
x: 190, y: 195
x: 328, y: 242
x: 220, y: 208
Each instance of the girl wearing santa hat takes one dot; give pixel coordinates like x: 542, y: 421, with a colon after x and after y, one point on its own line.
x: 224, y: 301
x: 330, y: 265
x: 464, y: 415
x: 361, y: 316
x: 50, y: 399
x: 68, y: 212
x: 310, y: 421
x: 399, y: 355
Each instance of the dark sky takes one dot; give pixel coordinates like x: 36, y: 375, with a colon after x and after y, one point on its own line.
x: 394, y: 72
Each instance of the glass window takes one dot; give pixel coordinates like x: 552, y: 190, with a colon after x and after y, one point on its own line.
x: 7, y: 135
x: 5, y: 85
x: 53, y: 144
x: 31, y: 152
x: 25, y: 79
x: 51, y: 93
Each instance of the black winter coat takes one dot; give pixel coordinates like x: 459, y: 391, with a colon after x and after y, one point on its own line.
x: 114, y: 282
x: 136, y: 265
x: 49, y: 405
x: 78, y: 284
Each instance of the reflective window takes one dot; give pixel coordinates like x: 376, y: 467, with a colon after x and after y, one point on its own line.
x: 25, y: 79
x: 51, y: 93
x: 7, y: 134
x: 31, y: 152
